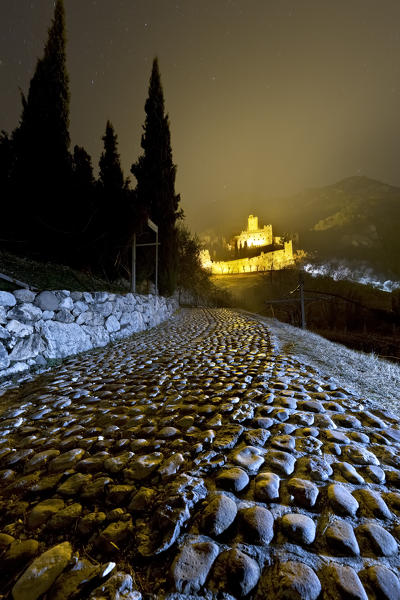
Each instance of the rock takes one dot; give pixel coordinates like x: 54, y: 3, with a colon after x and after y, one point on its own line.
x: 393, y: 498
x: 24, y: 295
x: 25, y: 313
x: 376, y: 474
x: 112, y: 324
x: 234, y: 572
x: 347, y: 421
x: 79, y: 307
x: 382, y: 582
x: 218, y: 515
x: 168, y: 432
x: 372, y: 504
x: 43, y: 511
x: 289, y: 580
x: 19, y: 553
x: 142, y: 500
x: 73, y: 485
x: 256, y: 437
x: 66, y: 518
x: 47, y: 301
x: 343, y: 582
x: 360, y: 455
x: 118, y: 587
x: 305, y: 492
x: 298, y: 528
x: 19, y: 330
x: 97, y: 334
x: 257, y: 525
x: 310, y: 405
x: 341, y: 539
x: 234, y: 479
x: 280, y: 461
x: 359, y: 437
x: 115, y: 464
x: 95, y: 491
x: 283, y: 442
x: 341, y: 501
x: 27, y: 347
x: 266, y: 487
x: 371, y: 535
x: 336, y: 437
x: 349, y: 473
x: 5, y: 541
x: 143, y: 466
x: 118, y: 495
x: 192, y: 565
x: 41, y: 574
x: 248, y: 457
x: 63, y: 339
x: 7, y: 299
x: 91, y: 522
x: 100, y: 297
x: 70, y: 580
x: 4, y: 334
x: 66, y: 460
x: 227, y: 437
x: 114, y: 536
x: 302, y: 418
x: 40, y: 459
x: 316, y: 467
x: 4, y: 358
x: 64, y: 315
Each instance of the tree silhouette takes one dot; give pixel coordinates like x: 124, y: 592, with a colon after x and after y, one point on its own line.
x: 43, y: 162
x: 155, y: 174
x: 114, y: 223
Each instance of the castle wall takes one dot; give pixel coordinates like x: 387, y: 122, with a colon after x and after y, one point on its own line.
x: 278, y: 259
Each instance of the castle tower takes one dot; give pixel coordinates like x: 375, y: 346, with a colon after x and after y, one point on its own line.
x: 252, y: 223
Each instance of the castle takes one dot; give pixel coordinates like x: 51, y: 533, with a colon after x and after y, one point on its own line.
x: 276, y: 253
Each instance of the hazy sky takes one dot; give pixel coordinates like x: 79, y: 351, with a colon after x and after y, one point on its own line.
x: 265, y: 97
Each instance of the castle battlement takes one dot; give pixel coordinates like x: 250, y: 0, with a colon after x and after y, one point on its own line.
x: 253, y: 237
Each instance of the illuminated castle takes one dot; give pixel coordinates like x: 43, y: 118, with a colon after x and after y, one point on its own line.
x: 254, y: 236
x: 276, y: 253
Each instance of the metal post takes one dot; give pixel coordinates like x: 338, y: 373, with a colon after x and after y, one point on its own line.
x: 133, y: 275
x: 157, y: 262
x: 303, y: 312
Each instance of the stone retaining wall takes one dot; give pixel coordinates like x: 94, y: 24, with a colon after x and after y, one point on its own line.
x: 37, y: 327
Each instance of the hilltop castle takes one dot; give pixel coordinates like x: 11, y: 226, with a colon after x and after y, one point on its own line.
x: 275, y: 254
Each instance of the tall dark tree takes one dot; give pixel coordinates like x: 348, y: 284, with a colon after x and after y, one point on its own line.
x: 113, y: 221
x: 111, y: 175
x: 82, y: 204
x: 155, y: 174
x: 7, y: 222
x: 43, y: 161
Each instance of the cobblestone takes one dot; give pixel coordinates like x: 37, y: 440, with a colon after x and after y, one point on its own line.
x: 195, y: 461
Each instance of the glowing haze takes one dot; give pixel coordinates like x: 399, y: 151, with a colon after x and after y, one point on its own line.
x: 265, y: 97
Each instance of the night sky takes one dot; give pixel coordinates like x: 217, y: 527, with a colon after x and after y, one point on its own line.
x: 265, y: 97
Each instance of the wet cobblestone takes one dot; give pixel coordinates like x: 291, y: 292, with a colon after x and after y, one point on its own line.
x: 194, y: 461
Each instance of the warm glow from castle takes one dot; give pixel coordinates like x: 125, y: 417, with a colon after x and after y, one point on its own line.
x: 254, y: 236
x: 277, y: 253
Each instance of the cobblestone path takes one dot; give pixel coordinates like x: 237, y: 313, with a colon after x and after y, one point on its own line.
x: 204, y: 465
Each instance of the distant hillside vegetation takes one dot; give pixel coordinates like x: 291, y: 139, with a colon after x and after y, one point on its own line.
x: 355, y: 219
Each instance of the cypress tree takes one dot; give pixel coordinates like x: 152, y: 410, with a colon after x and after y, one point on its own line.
x: 111, y: 175
x: 155, y: 173
x: 7, y: 221
x: 112, y: 222
x: 43, y: 161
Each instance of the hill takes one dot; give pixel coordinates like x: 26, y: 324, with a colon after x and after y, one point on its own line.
x: 355, y: 219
